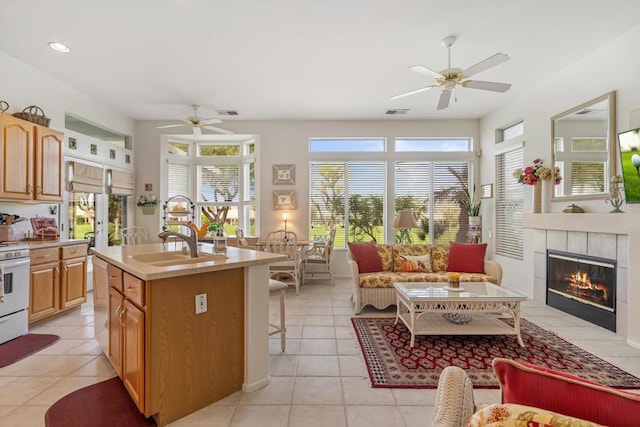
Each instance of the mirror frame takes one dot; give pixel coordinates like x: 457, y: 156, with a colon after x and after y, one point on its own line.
x: 611, y: 145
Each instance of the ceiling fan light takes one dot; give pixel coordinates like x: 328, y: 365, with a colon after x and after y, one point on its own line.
x: 59, y: 47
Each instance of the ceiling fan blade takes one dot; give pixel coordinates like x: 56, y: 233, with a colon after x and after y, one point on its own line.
x: 492, y: 86
x: 217, y: 129
x: 197, y: 131
x: 413, y: 92
x: 170, y: 126
x: 443, y: 102
x: 424, y: 70
x: 210, y: 121
x: 491, y: 61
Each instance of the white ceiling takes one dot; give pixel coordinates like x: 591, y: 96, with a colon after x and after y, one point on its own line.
x: 301, y: 59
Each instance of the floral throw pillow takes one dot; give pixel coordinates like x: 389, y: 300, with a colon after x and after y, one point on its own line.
x: 416, y: 263
x: 513, y: 415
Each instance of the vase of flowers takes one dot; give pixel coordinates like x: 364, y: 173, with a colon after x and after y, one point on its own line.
x: 535, y: 175
x: 148, y: 203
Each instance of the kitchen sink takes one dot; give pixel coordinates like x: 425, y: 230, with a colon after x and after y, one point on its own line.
x: 175, y: 258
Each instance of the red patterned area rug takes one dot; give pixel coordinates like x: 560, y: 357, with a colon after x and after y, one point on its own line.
x: 392, y: 363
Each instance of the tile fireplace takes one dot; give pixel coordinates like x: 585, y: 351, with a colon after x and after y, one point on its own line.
x: 583, y: 286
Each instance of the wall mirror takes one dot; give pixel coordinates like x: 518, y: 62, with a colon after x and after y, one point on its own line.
x: 584, y: 149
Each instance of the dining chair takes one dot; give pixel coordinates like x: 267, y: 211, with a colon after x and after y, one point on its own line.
x: 284, y: 243
x: 317, y: 260
x: 134, y: 235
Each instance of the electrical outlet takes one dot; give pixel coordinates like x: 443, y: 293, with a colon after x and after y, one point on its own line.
x: 201, y: 303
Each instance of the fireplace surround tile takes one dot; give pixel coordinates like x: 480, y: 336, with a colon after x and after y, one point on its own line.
x: 577, y: 242
x: 622, y: 319
x: 557, y: 240
x: 622, y: 288
x: 623, y: 251
x: 539, y: 240
x: 602, y: 245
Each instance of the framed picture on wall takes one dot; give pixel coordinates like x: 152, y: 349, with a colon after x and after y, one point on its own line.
x: 284, y: 174
x: 284, y: 199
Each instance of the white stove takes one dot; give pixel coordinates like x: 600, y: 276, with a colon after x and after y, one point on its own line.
x: 14, y: 290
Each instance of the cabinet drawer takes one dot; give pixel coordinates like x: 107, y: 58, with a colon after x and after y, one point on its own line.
x: 134, y: 289
x: 74, y: 251
x: 115, y: 277
x: 40, y: 256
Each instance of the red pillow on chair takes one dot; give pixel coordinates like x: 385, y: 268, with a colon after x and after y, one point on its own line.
x: 544, y: 388
x: 466, y: 257
x: 366, y: 256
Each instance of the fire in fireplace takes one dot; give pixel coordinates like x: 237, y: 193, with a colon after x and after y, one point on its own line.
x: 583, y: 286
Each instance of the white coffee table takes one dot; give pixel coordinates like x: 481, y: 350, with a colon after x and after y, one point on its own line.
x: 482, y: 300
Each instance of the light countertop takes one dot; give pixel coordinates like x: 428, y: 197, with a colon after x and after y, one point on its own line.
x: 122, y: 257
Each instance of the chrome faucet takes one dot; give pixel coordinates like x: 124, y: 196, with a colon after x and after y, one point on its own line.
x: 191, y: 240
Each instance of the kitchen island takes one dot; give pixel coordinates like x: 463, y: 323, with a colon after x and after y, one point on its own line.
x: 183, y: 332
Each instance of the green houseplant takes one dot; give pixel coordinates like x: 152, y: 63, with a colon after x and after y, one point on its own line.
x: 469, y: 201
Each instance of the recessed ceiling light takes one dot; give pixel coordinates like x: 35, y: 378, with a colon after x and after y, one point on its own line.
x: 60, y: 47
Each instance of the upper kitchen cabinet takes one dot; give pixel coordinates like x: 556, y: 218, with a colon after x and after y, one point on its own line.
x: 31, y: 160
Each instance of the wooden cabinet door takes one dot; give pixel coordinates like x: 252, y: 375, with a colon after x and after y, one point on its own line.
x: 133, y: 373
x: 116, y: 329
x: 44, y: 292
x: 48, y: 164
x: 73, y: 289
x: 16, y: 158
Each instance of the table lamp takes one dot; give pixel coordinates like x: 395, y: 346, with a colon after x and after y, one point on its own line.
x: 405, y: 222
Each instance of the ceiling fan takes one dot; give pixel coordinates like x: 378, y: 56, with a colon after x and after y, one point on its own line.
x: 197, y: 124
x: 450, y: 78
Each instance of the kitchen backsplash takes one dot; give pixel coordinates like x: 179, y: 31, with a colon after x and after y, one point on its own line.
x: 28, y: 211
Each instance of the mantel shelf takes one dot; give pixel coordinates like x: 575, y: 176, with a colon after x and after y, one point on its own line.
x: 586, y: 222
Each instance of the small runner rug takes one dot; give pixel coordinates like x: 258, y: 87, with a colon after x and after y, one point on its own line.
x: 104, y: 404
x: 392, y: 363
x: 21, y: 347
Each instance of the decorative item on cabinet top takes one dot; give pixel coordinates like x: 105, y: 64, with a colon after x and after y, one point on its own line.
x: 33, y: 114
x: 4, y: 106
x: 573, y: 208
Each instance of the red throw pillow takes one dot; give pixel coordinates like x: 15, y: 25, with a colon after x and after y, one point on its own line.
x: 532, y: 385
x: 466, y: 257
x: 366, y: 256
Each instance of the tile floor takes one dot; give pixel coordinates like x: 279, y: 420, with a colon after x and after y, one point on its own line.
x: 320, y: 380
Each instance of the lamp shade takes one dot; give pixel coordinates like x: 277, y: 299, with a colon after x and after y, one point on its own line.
x: 405, y: 219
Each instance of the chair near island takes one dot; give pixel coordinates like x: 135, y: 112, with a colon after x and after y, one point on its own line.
x: 134, y: 236
x: 284, y: 243
x: 317, y: 260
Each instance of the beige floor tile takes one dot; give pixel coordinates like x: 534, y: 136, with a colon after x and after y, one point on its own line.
x: 22, y: 389
x: 416, y: 416
x: 64, y: 346
x: 319, y: 311
x: 348, y: 346
x: 317, y: 391
x: 231, y: 400
x: 345, y: 332
x: 319, y: 320
x: 318, y: 346
x: 483, y: 396
x: 263, y: 416
x: 317, y: 416
x: 343, y: 311
x: 60, y: 389
x: 23, y: 416
x: 278, y: 392
x: 367, y: 416
x: 67, y: 331
x: 53, y: 365
x: 414, y: 397
x: 318, y: 332
x: 90, y: 347
x: 210, y: 416
x: 323, y: 366
x: 292, y: 346
x: 352, y: 366
x: 98, y: 367
x: 282, y: 365
x: 319, y: 302
x: 358, y: 391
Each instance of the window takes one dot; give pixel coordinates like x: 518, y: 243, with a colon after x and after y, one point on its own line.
x: 433, y: 144
x: 510, y: 132
x: 431, y: 191
x: 509, y: 205
x: 349, y: 196
x: 219, y: 177
x: 341, y: 145
x: 354, y: 194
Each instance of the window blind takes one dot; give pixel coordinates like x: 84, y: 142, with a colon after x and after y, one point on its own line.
x: 587, y: 177
x: 509, y: 205
x: 84, y: 178
x: 218, y: 184
x: 121, y: 183
x: 178, y: 180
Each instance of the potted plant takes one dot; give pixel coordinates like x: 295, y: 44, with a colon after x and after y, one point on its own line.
x: 148, y: 203
x: 470, y: 203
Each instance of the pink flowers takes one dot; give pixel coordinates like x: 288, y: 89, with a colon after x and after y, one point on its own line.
x: 532, y: 174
